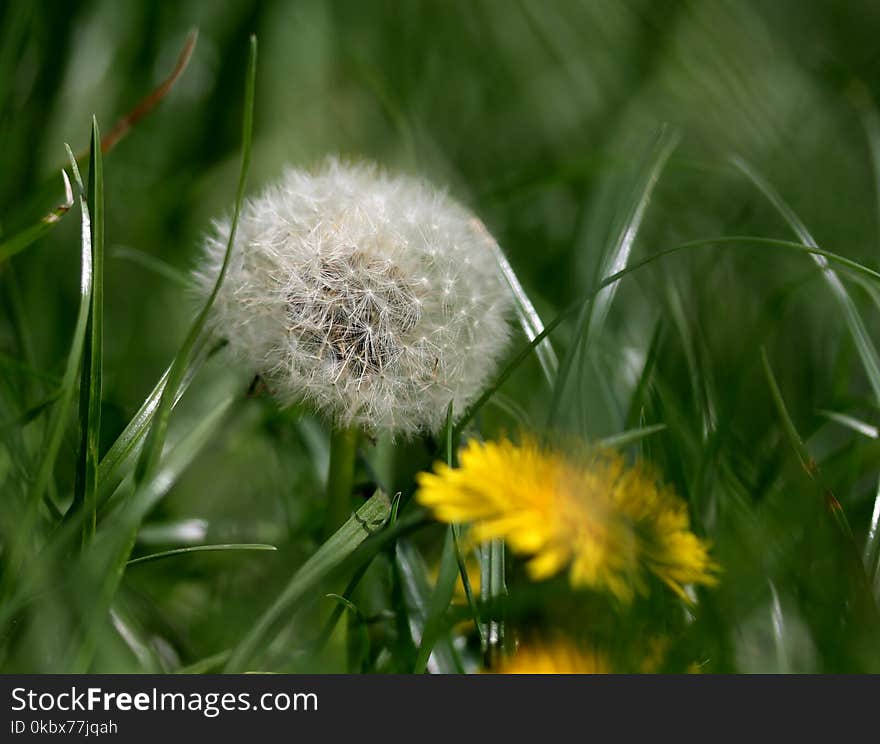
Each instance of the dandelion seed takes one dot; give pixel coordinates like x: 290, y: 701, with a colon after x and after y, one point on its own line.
x: 611, y: 526
x: 361, y: 294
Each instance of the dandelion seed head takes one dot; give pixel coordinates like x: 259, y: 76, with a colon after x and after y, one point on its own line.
x: 374, y: 298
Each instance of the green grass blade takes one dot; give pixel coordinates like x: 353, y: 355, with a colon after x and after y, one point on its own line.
x: 91, y: 374
x: 441, y: 598
x: 791, y: 432
x: 23, y: 239
x: 864, y: 345
x: 60, y: 410
x: 369, y: 519
x: 112, y: 465
x: 199, y: 549
x: 156, y: 437
x: 493, y: 589
x: 806, y: 460
x: 417, y: 599
x: 852, y: 423
x: 526, y: 313
x: 454, y: 532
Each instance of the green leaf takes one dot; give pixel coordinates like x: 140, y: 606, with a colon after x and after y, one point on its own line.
x: 367, y: 520
x: 199, y: 549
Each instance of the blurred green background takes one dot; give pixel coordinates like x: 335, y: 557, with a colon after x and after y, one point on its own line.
x: 540, y: 116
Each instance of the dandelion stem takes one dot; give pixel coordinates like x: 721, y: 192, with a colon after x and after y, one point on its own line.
x: 340, y: 478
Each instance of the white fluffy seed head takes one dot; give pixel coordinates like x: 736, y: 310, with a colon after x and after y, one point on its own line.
x: 377, y: 299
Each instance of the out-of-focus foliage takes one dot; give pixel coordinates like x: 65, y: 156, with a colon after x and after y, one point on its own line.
x: 547, y: 119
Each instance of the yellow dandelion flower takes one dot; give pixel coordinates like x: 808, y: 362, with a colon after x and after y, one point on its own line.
x: 557, y: 657
x: 609, y: 524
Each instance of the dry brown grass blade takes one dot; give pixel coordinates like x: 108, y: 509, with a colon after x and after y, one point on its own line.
x: 122, y: 127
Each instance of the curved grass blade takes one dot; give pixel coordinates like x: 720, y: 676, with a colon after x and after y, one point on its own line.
x: 122, y: 127
x: 594, y: 312
x: 367, y: 520
x: 528, y: 316
x: 618, y: 257
x: 440, y: 600
x: 130, y: 508
x: 200, y: 549
x: 852, y: 423
x: 60, y: 410
x: 68, y: 381
x: 29, y: 235
x: 732, y: 241
x: 84, y: 495
x: 630, y: 436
